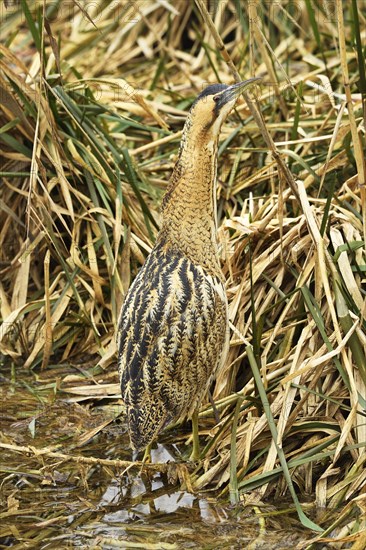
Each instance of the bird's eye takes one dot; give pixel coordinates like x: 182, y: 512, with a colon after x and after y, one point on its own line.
x: 216, y: 97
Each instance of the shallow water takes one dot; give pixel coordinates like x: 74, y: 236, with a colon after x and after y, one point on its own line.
x: 181, y: 520
x: 49, y: 502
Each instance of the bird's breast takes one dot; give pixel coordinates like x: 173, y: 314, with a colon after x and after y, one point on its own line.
x: 172, y: 329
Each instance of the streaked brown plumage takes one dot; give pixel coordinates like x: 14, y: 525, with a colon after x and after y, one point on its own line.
x: 173, y: 328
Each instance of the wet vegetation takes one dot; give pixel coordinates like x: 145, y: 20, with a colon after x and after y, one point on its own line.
x: 93, y: 99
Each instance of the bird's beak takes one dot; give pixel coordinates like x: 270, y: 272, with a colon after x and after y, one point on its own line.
x: 234, y: 91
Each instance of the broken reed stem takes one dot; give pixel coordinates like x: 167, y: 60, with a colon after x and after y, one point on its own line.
x: 256, y: 32
x: 126, y: 464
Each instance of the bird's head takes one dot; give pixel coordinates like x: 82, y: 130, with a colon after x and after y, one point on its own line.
x: 211, y: 108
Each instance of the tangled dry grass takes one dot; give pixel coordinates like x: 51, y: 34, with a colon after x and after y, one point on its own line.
x: 93, y: 102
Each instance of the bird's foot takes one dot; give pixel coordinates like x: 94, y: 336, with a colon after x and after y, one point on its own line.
x: 194, y: 456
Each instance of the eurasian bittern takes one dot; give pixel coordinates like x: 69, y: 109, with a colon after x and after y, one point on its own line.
x: 173, y: 328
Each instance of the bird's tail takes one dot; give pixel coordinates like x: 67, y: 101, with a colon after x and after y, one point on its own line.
x: 145, y: 422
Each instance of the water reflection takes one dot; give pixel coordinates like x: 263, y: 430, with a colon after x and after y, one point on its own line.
x: 138, y: 497
x: 161, y: 454
x: 171, y: 503
x: 150, y: 512
x: 138, y: 500
x: 166, y: 502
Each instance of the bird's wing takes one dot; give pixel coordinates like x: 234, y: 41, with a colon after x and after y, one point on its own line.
x: 171, y: 333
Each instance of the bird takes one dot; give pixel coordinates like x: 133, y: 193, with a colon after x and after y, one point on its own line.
x: 173, y: 329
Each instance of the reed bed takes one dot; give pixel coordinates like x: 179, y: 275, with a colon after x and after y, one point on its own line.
x: 94, y: 98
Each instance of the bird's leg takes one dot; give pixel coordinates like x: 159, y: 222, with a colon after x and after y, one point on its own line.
x: 196, y: 442
x: 147, y: 454
x: 146, y: 458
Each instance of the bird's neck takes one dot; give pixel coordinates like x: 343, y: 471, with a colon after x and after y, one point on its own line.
x: 189, y: 205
